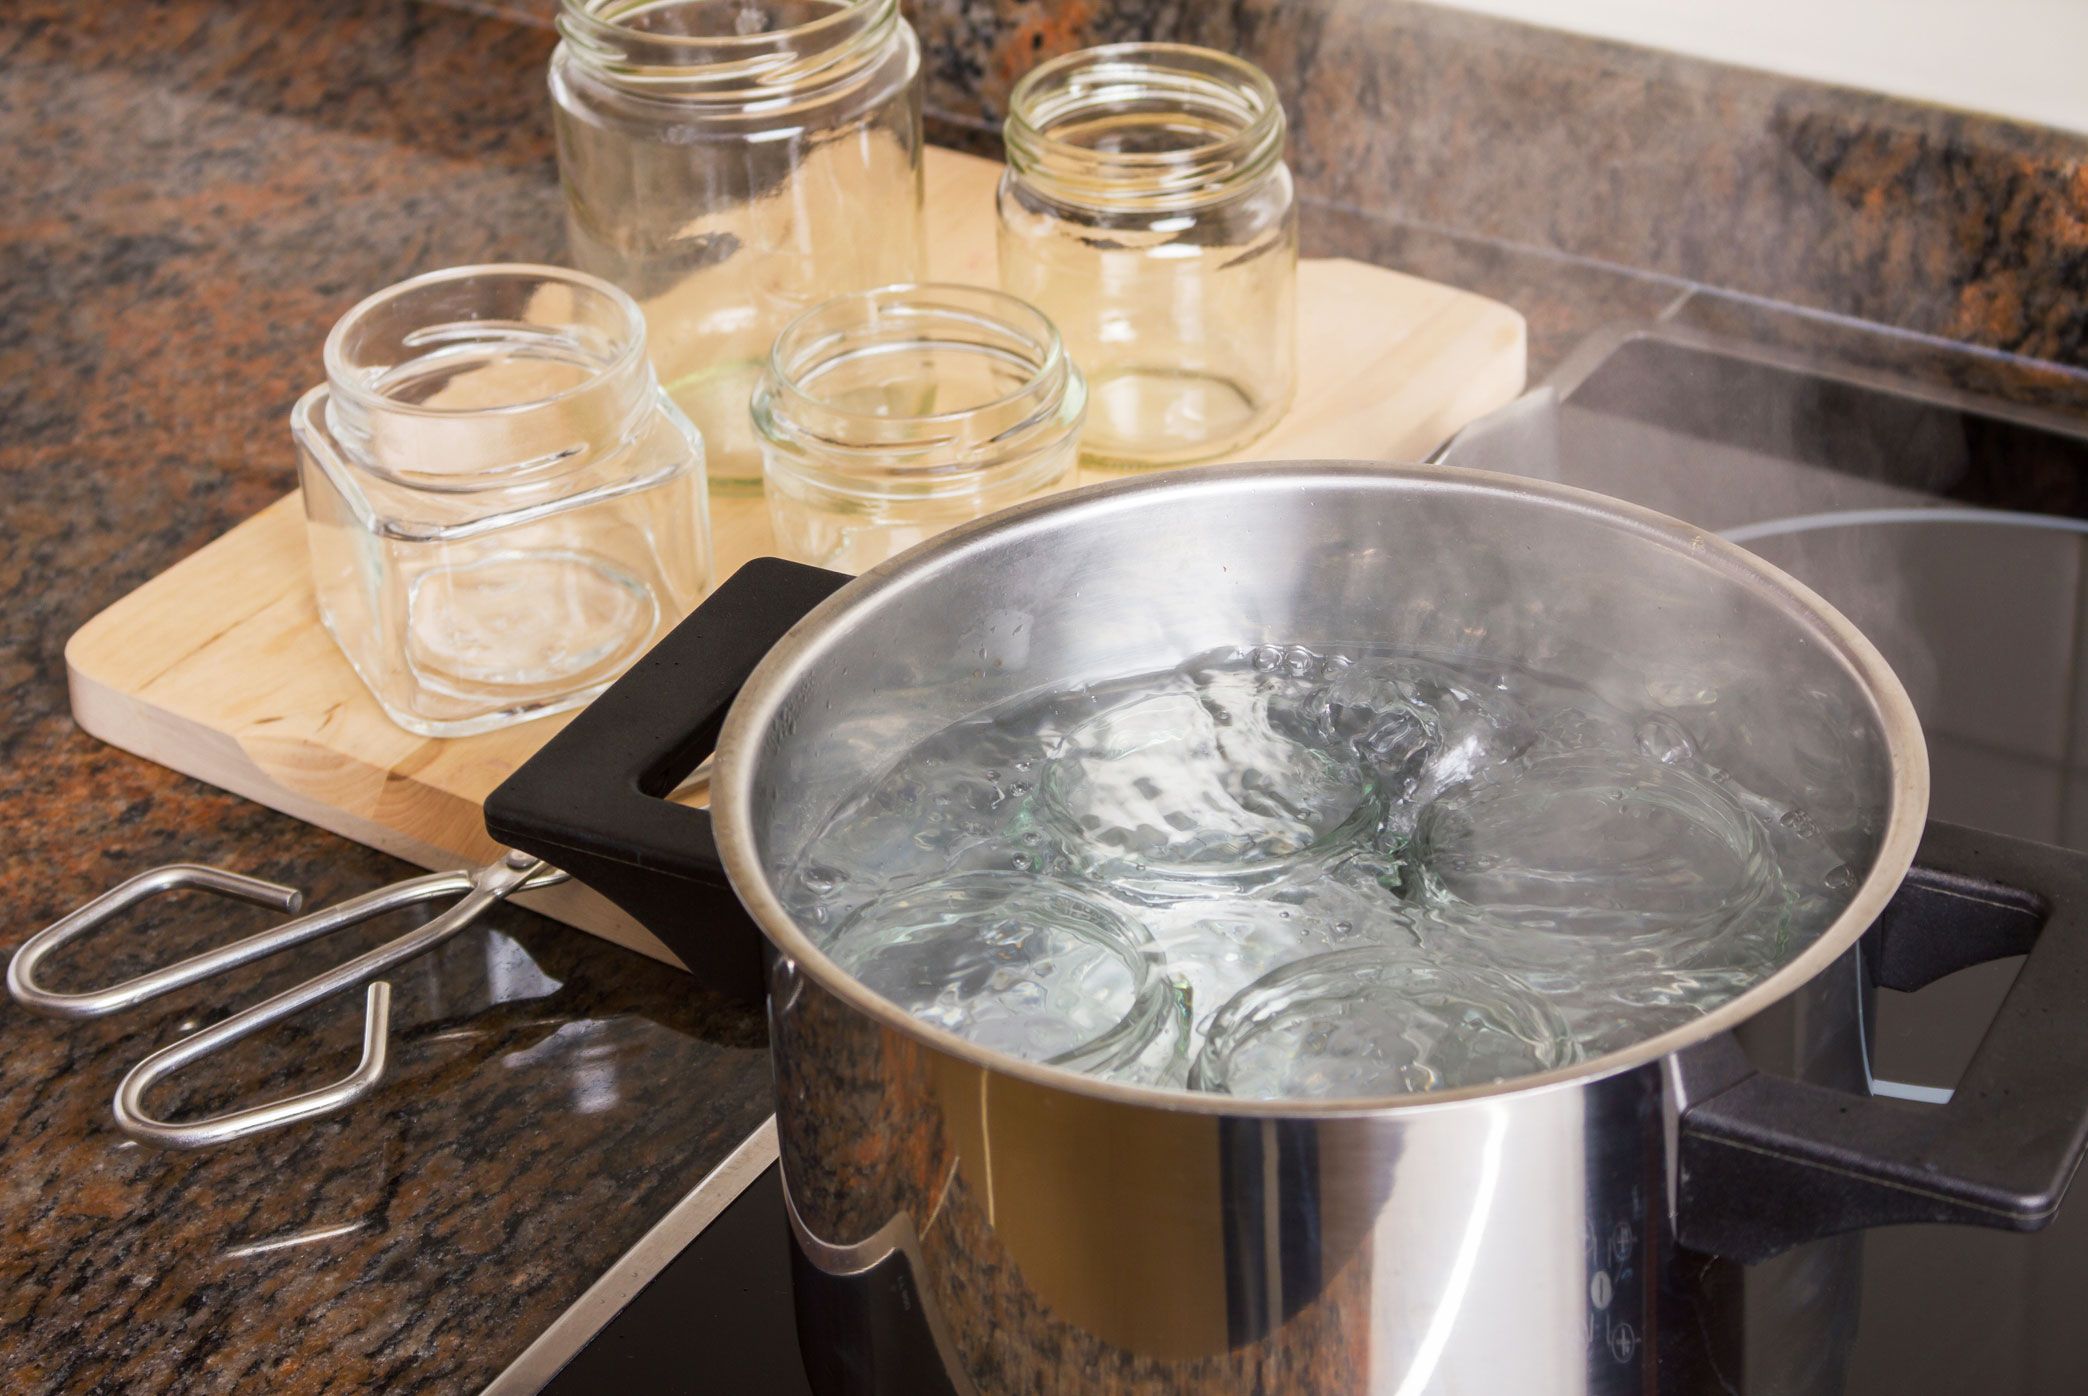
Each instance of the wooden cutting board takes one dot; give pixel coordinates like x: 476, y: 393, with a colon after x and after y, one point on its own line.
x: 219, y: 668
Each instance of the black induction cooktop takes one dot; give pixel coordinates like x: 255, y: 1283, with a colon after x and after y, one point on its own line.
x: 717, y: 1320
x: 1952, y: 532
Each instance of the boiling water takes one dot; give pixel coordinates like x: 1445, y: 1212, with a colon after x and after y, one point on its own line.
x: 1277, y: 872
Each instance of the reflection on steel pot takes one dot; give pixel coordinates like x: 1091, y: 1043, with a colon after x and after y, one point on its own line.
x: 968, y: 1221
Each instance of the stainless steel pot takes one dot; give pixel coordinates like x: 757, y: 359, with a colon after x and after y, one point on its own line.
x: 970, y: 1222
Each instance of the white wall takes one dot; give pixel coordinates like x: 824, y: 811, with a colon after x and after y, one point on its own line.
x: 2026, y: 59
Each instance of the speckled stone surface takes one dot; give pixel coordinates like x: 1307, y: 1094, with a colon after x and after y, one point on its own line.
x: 1449, y: 144
x: 199, y: 189
x: 212, y: 183
x: 1930, y: 220
x: 2037, y: 384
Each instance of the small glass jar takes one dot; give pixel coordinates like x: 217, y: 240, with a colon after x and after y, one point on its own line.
x: 888, y: 416
x: 504, y: 509
x: 731, y: 163
x: 1148, y: 211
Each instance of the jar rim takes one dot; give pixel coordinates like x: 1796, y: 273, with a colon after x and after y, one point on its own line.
x: 721, y: 66
x: 1050, y: 93
x: 346, y: 382
x: 1005, y: 311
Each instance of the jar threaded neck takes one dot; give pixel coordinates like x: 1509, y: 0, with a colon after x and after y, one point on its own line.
x: 727, y: 51
x: 481, y: 378
x: 1144, y: 127
x: 910, y: 384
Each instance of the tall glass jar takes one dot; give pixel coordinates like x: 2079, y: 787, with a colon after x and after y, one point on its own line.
x: 503, y: 508
x: 888, y: 416
x: 1147, y: 209
x: 730, y: 163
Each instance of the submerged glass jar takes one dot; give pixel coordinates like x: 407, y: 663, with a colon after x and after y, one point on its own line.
x: 1147, y: 209
x: 888, y: 416
x: 504, y: 509
x: 731, y: 163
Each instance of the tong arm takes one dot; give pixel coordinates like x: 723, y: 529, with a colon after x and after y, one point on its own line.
x: 95, y: 1003
x: 483, y: 889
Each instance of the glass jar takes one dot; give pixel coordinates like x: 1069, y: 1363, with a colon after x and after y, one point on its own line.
x: 888, y: 416
x: 504, y: 510
x: 1148, y: 211
x: 731, y: 163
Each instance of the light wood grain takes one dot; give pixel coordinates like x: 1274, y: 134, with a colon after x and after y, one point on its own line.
x: 220, y: 669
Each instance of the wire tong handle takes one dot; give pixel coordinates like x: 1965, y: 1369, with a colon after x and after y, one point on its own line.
x: 476, y: 891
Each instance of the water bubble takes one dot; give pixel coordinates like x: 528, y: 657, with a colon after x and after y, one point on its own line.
x: 1576, y: 728
x: 1681, y: 693
x: 1799, y: 822
x: 1419, y: 726
x: 1664, y: 739
x: 1840, y: 878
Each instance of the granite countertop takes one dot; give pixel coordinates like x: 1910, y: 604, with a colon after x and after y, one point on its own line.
x: 211, y: 184
x: 215, y: 184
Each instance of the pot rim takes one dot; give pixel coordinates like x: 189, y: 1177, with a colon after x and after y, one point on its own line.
x: 801, y: 647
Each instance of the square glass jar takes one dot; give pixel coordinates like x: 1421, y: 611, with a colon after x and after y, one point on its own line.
x: 504, y: 510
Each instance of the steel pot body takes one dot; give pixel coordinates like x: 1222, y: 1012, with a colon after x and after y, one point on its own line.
x: 967, y: 1221
x: 959, y: 1229
x: 1069, y: 1239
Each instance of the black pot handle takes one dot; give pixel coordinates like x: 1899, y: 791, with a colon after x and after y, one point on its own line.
x: 592, y: 800
x: 1767, y: 1163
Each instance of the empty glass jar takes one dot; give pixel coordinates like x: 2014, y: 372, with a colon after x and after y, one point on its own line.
x: 888, y: 416
x: 1148, y: 211
x: 504, y: 509
x: 731, y: 163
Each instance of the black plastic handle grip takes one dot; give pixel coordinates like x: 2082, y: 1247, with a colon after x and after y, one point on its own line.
x: 1768, y: 1163
x: 592, y: 800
